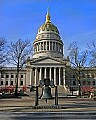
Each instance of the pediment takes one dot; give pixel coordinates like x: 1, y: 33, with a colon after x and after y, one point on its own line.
x: 47, y: 60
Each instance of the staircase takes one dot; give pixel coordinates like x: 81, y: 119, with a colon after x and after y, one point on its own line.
x: 62, y: 91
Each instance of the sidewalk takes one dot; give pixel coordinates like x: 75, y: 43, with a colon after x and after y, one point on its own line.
x: 27, y: 104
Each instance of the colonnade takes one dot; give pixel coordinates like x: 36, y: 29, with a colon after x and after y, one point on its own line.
x: 48, y: 45
x: 57, y: 74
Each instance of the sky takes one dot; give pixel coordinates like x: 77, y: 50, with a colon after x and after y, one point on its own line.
x: 75, y: 19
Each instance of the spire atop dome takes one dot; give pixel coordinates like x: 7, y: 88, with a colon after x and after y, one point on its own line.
x: 48, y: 16
x: 48, y: 10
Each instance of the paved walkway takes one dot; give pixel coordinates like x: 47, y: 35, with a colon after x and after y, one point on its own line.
x: 26, y: 104
x: 47, y: 116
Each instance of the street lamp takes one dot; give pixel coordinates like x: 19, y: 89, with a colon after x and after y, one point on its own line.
x: 79, y: 83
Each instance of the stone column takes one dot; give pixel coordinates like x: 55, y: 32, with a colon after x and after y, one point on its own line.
x: 45, y: 72
x: 43, y: 45
x: 0, y: 77
x: 50, y: 73
x: 35, y: 76
x: 46, y: 46
x: 64, y: 77
x: 19, y: 80
x: 55, y: 46
x: 54, y: 76
x: 49, y: 45
x: 9, y: 82
x: 37, y: 47
x: 32, y: 81
x: 52, y: 46
x: 31, y: 76
x: 4, y: 80
x: 40, y: 74
x: 58, y: 47
x: 40, y: 46
x: 59, y: 77
x: 24, y: 79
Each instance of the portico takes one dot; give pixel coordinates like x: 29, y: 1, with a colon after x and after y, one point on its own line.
x: 53, y: 73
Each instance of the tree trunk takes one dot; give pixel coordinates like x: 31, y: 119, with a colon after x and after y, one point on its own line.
x: 16, y: 88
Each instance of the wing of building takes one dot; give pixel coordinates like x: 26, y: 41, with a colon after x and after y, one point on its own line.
x: 48, y: 61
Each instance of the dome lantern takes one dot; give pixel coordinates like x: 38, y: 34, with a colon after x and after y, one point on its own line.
x: 48, y: 26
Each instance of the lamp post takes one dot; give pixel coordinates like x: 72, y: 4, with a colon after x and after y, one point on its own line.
x: 36, y: 99
x: 56, y: 95
x: 79, y: 83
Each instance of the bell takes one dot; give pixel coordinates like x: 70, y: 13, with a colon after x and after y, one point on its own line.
x: 47, y: 93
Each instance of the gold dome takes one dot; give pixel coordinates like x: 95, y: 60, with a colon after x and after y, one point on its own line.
x: 48, y: 26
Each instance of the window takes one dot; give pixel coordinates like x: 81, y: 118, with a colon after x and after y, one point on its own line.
x: 73, y: 76
x: 42, y: 35
x: 93, y: 82
x: 88, y: 76
x: 38, y: 37
x: 47, y: 36
x: 83, y: 75
x: 89, y: 82
x: 92, y: 76
x: 7, y: 76
x: 2, y: 75
x: 53, y: 35
x: 1, y: 82
x: 12, y: 76
x: 21, y: 76
x: 84, y: 82
x: 21, y: 82
x: 74, y: 83
x: 6, y: 82
x: 11, y: 82
x: 50, y: 45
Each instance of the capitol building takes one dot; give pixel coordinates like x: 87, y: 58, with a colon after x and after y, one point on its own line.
x: 48, y: 61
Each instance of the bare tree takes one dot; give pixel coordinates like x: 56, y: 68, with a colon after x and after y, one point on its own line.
x: 17, y: 55
x: 2, y: 51
x: 77, y: 60
x: 92, y: 54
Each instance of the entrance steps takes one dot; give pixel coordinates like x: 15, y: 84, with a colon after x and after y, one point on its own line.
x: 62, y: 91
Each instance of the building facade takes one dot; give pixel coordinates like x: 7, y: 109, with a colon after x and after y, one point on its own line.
x: 48, y: 61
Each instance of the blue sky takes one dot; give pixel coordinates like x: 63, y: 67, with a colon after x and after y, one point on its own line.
x: 75, y: 19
